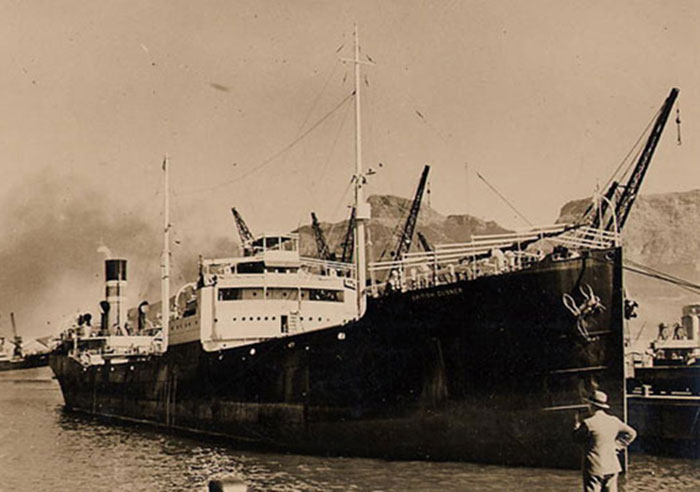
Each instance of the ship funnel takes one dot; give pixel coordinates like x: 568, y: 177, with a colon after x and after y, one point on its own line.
x: 115, y: 287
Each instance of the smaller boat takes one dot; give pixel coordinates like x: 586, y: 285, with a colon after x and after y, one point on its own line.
x: 663, y: 394
x: 19, y: 358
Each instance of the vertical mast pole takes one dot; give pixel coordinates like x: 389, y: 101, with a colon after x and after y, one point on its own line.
x: 14, y: 326
x: 165, y: 279
x: 360, y: 261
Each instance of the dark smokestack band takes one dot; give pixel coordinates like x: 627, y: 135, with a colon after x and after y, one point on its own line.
x: 115, y: 270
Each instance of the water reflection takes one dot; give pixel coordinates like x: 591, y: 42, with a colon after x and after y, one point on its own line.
x: 42, y: 447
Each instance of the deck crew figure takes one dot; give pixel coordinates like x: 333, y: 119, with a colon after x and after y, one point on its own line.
x: 602, y: 436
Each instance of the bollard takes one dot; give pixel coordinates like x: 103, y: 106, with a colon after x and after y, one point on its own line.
x: 229, y: 484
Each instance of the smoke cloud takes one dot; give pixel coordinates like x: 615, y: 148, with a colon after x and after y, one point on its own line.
x: 50, y: 266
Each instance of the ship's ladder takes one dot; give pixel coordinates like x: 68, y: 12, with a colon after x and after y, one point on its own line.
x: 294, y: 322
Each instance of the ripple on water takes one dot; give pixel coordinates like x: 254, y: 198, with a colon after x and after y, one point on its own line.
x: 44, y: 448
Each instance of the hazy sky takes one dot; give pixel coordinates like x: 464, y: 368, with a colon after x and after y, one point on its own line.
x: 543, y: 98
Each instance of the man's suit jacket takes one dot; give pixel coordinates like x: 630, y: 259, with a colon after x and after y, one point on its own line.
x: 603, y: 435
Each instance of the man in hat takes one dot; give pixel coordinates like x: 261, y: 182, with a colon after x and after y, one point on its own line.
x: 603, y: 436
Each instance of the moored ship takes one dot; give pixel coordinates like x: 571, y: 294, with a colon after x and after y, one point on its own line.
x: 19, y: 357
x: 476, y: 351
x: 664, y: 390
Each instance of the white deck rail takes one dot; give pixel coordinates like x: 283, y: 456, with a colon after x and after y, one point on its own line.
x: 485, y: 255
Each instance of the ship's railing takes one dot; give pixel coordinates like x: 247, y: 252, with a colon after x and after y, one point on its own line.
x: 324, y: 267
x: 485, y: 255
x: 94, y: 350
x: 225, y: 266
x: 587, y: 238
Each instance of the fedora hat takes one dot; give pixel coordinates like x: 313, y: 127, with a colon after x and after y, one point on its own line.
x: 599, y: 399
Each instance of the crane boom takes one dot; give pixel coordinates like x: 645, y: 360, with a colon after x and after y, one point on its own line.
x: 349, y: 241
x: 404, y: 243
x: 625, y: 195
x: 243, y: 231
x: 629, y: 193
x: 324, y: 251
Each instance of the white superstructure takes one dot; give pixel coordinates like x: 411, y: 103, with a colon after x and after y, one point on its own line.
x: 270, y: 292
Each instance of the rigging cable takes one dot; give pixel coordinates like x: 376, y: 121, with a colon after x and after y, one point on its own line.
x: 503, y: 198
x: 632, y: 149
x: 335, y: 143
x: 277, y: 154
x: 318, y: 97
x: 657, y: 274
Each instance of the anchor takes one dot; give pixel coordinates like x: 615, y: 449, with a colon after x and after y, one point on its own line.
x: 588, y: 309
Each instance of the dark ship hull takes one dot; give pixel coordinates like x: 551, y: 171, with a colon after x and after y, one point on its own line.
x: 491, y: 370
x: 664, y: 407
x: 26, y: 362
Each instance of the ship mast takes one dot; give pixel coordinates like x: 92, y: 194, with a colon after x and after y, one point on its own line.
x: 360, y: 205
x: 165, y: 278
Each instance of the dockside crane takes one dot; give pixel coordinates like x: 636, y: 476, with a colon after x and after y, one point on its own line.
x: 621, y: 197
x: 406, y: 238
x: 324, y: 251
x: 243, y: 231
x: 349, y: 241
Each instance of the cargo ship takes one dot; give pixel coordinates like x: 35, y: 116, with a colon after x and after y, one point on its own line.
x: 19, y: 358
x: 664, y: 391
x: 480, y: 351
x: 29, y: 361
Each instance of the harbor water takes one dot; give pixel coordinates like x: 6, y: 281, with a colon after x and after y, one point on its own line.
x: 42, y: 447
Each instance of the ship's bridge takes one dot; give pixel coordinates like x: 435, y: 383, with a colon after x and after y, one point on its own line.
x: 269, y: 292
x: 267, y: 253
x: 281, y: 246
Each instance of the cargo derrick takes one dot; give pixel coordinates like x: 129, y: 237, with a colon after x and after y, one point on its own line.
x: 324, y: 251
x: 243, y: 231
x: 622, y: 197
x: 349, y: 241
x: 404, y: 243
x: 406, y: 238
